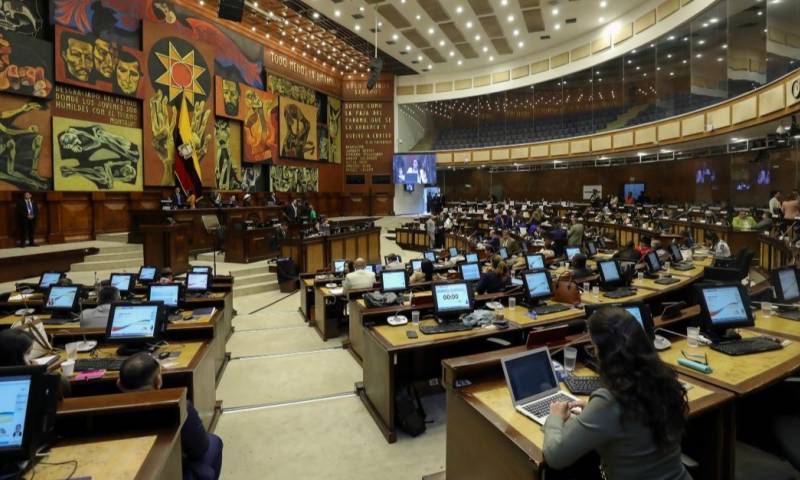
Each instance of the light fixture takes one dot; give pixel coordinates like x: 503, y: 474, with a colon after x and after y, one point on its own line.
x: 418, y: 17
x: 430, y: 31
x: 491, y: 58
x: 430, y: 67
x: 394, y: 36
x: 601, y: 19
x: 441, y: 43
x: 554, y: 11
x: 460, y: 62
x: 603, y: 4
x: 361, y: 8
x: 558, y: 26
x: 516, y: 32
x: 358, y: 27
x: 477, y: 37
x: 469, y: 24
x: 520, y: 44
x: 459, y: 9
x: 452, y: 53
x: 419, y: 58
x: 337, y: 13
x: 315, y: 15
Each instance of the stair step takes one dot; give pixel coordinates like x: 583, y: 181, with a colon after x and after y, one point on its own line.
x: 249, y: 271
x: 121, y: 237
x: 130, y: 247
x: 129, y: 265
x: 107, y: 257
x: 239, y: 291
x: 254, y: 279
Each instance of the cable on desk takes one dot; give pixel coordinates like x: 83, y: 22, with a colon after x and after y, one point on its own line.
x: 74, y: 464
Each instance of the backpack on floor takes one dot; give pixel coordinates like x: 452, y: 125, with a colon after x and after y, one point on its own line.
x: 409, y: 415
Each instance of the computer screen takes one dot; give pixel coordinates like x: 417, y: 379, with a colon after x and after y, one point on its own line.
x: 451, y: 297
x: 201, y: 269
x: 609, y: 271
x: 393, y: 280
x: 14, y: 397
x: 132, y: 321
x: 338, y: 266
x: 535, y: 261
x: 653, y: 263
x: 572, y: 251
x: 503, y: 253
x: 122, y: 281
x: 197, y: 282
x: 530, y: 374
x: 61, y: 298
x: 472, y: 257
x: 410, y: 169
x: 537, y: 284
x: 591, y: 249
x: 169, y: 294
x: 634, y: 189
x: 787, y: 278
x: 430, y: 256
x: 726, y: 307
x: 637, y: 314
x: 453, y: 251
x: 49, y: 278
x: 416, y: 265
x: 470, y: 271
x: 675, y: 252
x: 369, y: 268
x: 147, y: 274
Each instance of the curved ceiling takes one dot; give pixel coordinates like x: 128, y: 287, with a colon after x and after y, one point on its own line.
x: 443, y: 36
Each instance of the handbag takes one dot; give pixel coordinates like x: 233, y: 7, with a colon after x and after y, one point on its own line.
x: 35, y: 328
x: 565, y: 290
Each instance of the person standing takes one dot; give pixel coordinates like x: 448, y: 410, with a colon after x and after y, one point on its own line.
x: 775, y: 202
x: 27, y: 211
x: 178, y: 199
x: 430, y: 229
x: 575, y: 233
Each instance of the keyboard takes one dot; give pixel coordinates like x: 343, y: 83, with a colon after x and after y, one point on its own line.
x: 620, y: 293
x: 551, y: 308
x: 682, y: 267
x: 60, y: 320
x: 789, y: 313
x: 747, y: 346
x: 90, y: 364
x: 666, y: 281
x: 582, y: 385
x: 444, y: 328
x: 541, y: 408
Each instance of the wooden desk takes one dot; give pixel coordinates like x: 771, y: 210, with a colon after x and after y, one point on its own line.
x: 245, y: 246
x: 775, y: 325
x: 328, y: 311
x: 167, y: 246
x: 316, y: 253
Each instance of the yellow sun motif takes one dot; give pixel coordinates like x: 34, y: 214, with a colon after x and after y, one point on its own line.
x: 180, y: 74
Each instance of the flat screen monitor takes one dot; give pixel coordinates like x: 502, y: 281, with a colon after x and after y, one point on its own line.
x: 639, y: 310
x: 572, y: 251
x: 374, y: 268
x: 591, y: 248
x: 725, y: 306
x: 62, y: 299
x: 201, y: 269
x: 609, y: 273
x: 503, y: 253
x: 134, y: 322
x: 675, y: 253
x: 537, y: 285
x: 392, y: 258
x: 394, y: 281
x: 339, y: 265
x: 652, y: 262
x: 414, y: 169
x: 452, y: 298
x: 169, y: 293
x: 430, y: 256
x: 15, y: 396
x: 416, y: 265
x: 635, y: 189
x: 198, y: 282
x: 471, y: 257
x: 786, y: 286
x: 470, y: 272
x: 453, y: 251
x: 535, y: 261
x: 122, y: 281
x: 147, y: 274
x: 49, y: 278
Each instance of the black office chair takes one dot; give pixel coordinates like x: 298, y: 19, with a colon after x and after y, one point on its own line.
x: 733, y: 270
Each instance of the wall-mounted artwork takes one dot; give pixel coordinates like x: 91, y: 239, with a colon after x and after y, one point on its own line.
x: 117, y: 21
x: 228, y: 136
x: 260, y: 126
x: 322, y: 126
x: 254, y: 178
x: 334, y: 130
x: 26, y: 65
x: 89, y: 61
x: 26, y: 17
x: 179, y: 83
x: 298, y: 128
x: 286, y: 88
x: 283, y: 178
x: 90, y: 156
x: 25, y: 161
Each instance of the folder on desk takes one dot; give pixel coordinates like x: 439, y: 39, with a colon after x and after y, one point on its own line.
x: 204, y: 312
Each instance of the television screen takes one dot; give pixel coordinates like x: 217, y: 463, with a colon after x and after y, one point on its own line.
x: 637, y: 189
x: 414, y: 169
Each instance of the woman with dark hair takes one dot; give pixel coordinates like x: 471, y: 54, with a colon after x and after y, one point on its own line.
x: 635, y: 423
x: 494, y: 280
x: 15, y: 347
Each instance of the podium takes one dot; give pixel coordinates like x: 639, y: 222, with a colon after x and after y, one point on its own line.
x: 167, y: 246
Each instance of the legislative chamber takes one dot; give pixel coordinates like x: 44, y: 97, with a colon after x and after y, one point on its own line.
x: 400, y: 239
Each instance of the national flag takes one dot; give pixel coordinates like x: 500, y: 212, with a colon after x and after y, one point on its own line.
x: 187, y: 170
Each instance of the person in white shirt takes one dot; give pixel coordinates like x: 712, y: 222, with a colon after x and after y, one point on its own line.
x: 359, y: 278
x: 775, y: 201
x: 430, y: 229
x: 98, y: 317
x: 448, y: 222
x: 719, y: 246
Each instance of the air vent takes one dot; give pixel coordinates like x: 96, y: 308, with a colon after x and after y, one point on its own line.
x: 358, y: 16
x: 544, y: 37
x: 570, y: 21
x: 390, y: 42
x: 373, y: 30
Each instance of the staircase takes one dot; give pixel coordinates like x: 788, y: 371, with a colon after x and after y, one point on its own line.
x: 250, y: 281
x: 125, y: 257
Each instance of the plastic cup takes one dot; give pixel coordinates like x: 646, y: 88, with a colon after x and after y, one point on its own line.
x: 415, y: 317
x: 586, y: 286
x: 596, y: 291
x: 72, y: 350
x: 640, y: 275
x: 570, y: 357
x: 666, y: 266
x: 766, y: 307
x: 693, y: 336
x: 68, y: 367
x: 498, y: 314
x: 512, y: 303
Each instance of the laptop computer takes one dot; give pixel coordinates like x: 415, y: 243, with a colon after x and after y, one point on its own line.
x: 533, y: 383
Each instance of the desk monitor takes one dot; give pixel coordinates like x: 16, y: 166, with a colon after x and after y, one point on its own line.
x: 201, y: 269
x: 591, y: 248
x: 725, y: 307
x: 675, y: 253
x: 572, y: 251
x: 471, y: 257
x: 503, y: 253
x: 470, y: 272
x: 339, y: 266
x: 786, y: 285
x: 135, y: 324
x: 198, y: 282
x: 416, y: 265
x: 168, y: 293
x: 610, y: 275
x: 430, y: 255
x: 148, y: 274
x: 453, y: 251
x: 387, y: 259
x: 639, y: 310
x: 61, y: 301
x: 374, y: 268
x: 452, y: 299
x: 535, y: 261
x: 27, y: 411
x: 122, y: 281
x: 652, y: 262
x: 537, y: 286
x: 394, y: 281
x: 49, y: 278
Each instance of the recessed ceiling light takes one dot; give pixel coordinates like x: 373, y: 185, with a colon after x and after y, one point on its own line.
x: 504, y: 2
x: 460, y: 62
x: 714, y: 20
x: 430, y: 31
x: 469, y: 24
x: 358, y: 27
x: 491, y: 58
x: 485, y: 49
x: 315, y: 15
x: 477, y: 37
x: 408, y: 48
x: 253, y: 28
x: 459, y: 9
x: 255, y: 4
x: 441, y: 43
x: 669, y: 55
x: 603, y: 4
x: 510, y: 18
x: 699, y: 55
x: 601, y: 19
x: 430, y: 66
x: 419, y: 58
x: 701, y: 42
x: 554, y: 11
x: 394, y: 36
x: 558, y: 26
x: 418, y: 17
x: 521, y: 44
x: 361, y: 8
x: 516, y: 32
x: 452, y: 53
x: 719, y: 59
x: 337, y: 13
x: 671, y: 37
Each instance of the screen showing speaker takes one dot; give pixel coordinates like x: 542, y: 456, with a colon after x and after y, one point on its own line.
x: 414, y: 169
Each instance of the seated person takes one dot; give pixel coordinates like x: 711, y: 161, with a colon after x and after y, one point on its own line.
x: 765, y: 223
x: 548, y: 251
x: 628, y: 253
x: 510, y: 243
x: 634, y: 426
x: 743, y: 221
x: 394, y: 262
x: 495, y: 280
x: 578, y: 266
x: 493, y: 242
x: 425, y: 274
x: 358, y: 278
x: 202, y: 451
x: 718, y: 246
x: 166, y: 275
x: 98, y: 317
x: 15, y: 347
x: 494, y: 261
x: 645, y: 246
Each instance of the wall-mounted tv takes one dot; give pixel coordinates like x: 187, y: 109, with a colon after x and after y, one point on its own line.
x: 414, y: 169
x: 636, y: 189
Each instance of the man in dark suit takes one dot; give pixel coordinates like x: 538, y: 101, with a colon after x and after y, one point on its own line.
x: 293, y: 211
x: 178, y: 199
x: 27, y: 211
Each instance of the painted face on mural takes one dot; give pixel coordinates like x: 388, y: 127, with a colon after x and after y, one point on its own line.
x: 230, y: 96
x: 79, y: 58
x: 128, y: 74
x: 105, y: 57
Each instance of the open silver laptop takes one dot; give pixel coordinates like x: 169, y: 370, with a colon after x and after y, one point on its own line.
x: 533, y: 383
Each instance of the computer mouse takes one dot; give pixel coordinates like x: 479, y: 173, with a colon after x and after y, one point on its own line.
x: 661, y: 343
